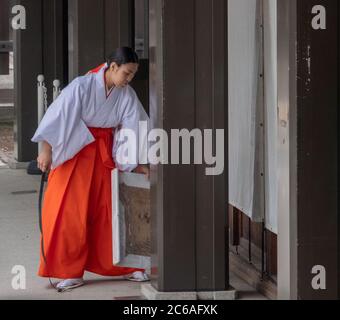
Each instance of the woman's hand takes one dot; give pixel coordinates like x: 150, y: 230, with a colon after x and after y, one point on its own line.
x: 143, y: 169
x: 45, y: 157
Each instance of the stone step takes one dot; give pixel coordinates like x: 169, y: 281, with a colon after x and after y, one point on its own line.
x: 6, y: 112
x: 6, y: 96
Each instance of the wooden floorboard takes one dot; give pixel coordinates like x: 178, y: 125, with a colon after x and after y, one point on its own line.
x: 251, y: 275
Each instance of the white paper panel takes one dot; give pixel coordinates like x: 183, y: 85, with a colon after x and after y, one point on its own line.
x: 245, y: 108
x: 252, y: 101
x: 271, y: 114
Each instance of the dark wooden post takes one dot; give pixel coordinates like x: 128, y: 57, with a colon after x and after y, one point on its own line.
x: 28, y: 64
x: 188, y: 89
x: 308, y: 84
x: 4, y: 35
x: 96, y: 28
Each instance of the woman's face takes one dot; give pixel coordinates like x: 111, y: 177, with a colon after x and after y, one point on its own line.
x: 123, y: 75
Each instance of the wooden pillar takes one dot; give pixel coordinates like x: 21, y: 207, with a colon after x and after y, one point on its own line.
x: 211, y: 111
x: 4, y: 35
x: 41, y: 48
x: 96, y: 28
x: 55, y: 43
x: 188, y: 89
x: 308, y: 104
x: 28, y: 64
x: 86, y: 36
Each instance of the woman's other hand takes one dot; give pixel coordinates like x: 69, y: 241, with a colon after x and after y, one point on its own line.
x: 45, y: 157
x: 143, y: 169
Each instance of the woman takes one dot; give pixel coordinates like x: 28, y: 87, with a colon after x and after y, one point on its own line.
x: 80, y: 135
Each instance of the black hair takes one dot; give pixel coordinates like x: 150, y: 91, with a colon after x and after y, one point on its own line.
x: 123, y: 55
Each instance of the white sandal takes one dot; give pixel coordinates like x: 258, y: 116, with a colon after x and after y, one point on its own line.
x: 137, y: 276
x: 69, y: 284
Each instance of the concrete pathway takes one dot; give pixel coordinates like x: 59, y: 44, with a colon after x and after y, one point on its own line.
x: 19, y: 246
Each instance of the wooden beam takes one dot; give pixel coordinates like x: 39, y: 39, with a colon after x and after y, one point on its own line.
x: 4, y: 35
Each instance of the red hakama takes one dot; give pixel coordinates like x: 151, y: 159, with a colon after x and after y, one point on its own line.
x: 77, y: 214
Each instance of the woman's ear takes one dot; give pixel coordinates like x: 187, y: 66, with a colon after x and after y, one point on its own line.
x: 113, y: 66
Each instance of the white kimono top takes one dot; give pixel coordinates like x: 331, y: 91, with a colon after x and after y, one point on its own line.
x: 82, y: 104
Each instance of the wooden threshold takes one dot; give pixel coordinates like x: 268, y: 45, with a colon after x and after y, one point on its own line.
x: 251, y: 275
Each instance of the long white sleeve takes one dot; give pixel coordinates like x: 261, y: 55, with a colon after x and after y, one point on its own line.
x: 133, y: 116
x: 62, y: 126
